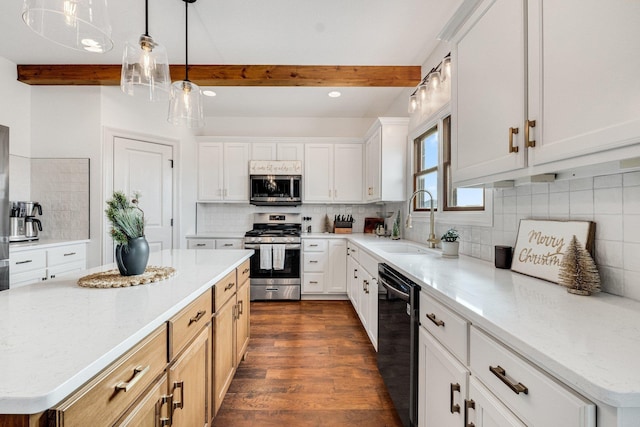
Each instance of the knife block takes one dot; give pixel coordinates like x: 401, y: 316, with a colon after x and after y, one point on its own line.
x: 342, y: 227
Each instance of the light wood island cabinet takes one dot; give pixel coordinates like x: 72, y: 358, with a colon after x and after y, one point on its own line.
x: 176, y: 376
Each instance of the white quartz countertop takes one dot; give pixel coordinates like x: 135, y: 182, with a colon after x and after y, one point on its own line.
x: 56, y: 335
x: 42, y: 244
x: 217, y: 235
x: 590, y: 343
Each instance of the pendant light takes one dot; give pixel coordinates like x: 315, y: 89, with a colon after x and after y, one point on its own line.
x: 78, y: 24
x: 145, y: 66
x: 185, y: 107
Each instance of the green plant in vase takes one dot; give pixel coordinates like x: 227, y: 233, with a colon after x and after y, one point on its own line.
x: 450, y: 244
x: 127, y: 231
x: 395, y: 230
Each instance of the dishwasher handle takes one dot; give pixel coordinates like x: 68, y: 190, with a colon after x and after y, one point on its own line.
x: 394, y: 291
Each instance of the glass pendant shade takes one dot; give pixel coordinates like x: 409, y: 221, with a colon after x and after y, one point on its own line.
x: 434, y: 79
x: 413, y: 103
x: 78, y: 24
x: 423, y: 91
x: 185, y: 106
x: 145, y: 70
x: 446, y: 69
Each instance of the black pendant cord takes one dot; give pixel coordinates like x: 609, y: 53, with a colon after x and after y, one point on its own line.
x: 146, y: 18
x: 186, y: 41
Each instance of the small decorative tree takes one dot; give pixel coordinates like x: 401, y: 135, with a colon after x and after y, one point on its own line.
x: 578, y: 272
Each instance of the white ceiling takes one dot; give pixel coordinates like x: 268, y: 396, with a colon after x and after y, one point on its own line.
x: 305, y: 32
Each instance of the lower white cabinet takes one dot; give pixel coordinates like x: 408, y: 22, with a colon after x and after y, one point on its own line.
x: 442, y: 384
x: 38, y: 264
x: 215, y: 243
x: 362, y: 289
x: 324, y: 266
x: 495, y: 387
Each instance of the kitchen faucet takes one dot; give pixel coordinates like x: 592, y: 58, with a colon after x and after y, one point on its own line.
x: 432, y: 241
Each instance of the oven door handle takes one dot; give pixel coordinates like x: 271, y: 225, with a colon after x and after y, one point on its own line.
x: 393, y: 290
x: 286, y: 246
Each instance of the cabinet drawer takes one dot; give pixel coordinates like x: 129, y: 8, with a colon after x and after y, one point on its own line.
x: 446, y: 326
x: 369, y: 263
x: 314, y: 245
x: 29, y: 260
x: 229, y: 244
x: 64, y: 269
x: 201, y: 244
x: 532, y: 395
x: 313, y: 262
x: 224, y: 290
x: 185, y: 325
x: 27, y: 277
x: 243, y: 272
x: 353, y: 251
x: 313, y: 282
x: 66, y: 254
x: 107, y: 396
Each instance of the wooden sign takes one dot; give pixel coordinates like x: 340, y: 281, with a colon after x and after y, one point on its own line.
x: 541, y: 244
x: 275, y: 167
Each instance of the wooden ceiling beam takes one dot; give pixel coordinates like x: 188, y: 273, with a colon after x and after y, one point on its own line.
x: 233, y: 75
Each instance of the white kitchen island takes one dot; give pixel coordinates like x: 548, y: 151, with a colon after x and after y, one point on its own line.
x: 56, y: 336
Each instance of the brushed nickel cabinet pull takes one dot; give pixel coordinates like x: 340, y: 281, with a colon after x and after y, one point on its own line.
x: 528, y: 124
x: 228, y: 244
x: 180, y: 403
x: 468, y: 404
x: 313, y: 261
x: 229, y: 286
x: 201, y: 244
x: 27, y: 261
x: 313, y: 282
x: 313, y: 245
x: 69, y: 254
x: 138, y: 372
x: 512, y: 148
x: 435, y: 320
x: 502, y: 376
x: 197, y: 317
x: 453, y: 407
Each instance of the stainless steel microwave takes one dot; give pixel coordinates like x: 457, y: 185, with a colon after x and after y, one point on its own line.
x: 275, y: 190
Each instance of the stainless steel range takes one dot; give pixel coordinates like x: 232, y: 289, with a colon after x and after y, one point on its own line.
x: 275, y: 265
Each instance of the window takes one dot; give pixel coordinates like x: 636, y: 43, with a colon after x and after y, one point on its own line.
x: 426, y: 170
x: 456, y: 198
x: 427, y: 166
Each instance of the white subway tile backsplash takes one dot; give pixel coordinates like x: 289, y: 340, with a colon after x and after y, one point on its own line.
x: 631, y: 200
x: 581, y: 184
x: 609, y: 253
x: 580, y: 203
x: 631, y: 256
x: 559, y: 205
x: 631, y: 179
x: 608, y: 181
x: 612, y: 280
x: 609, y: 227
x: 631, y: 285
x: 540, y: 206
x: 631, y: 228
x: 509, y: 204
x: 607, y: 201
x: 558, y: 186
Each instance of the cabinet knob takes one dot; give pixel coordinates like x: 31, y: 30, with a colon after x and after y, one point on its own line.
x: 512, y: 148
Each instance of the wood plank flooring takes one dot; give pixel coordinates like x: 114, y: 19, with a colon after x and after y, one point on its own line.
x: 309, y: 364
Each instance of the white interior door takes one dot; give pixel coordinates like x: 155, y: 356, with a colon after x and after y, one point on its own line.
x: 147, y: 168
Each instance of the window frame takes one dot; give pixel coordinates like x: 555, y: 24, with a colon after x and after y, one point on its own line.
x: 459, y: 217
x: 417, y: 157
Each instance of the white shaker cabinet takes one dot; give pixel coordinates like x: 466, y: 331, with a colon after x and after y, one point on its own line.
x: 489, y: 93
x: 483, y: 409
x: 442, y: 385
x: 324, y: 265
x: 583, y: 90
x: 536, y: 89
x: 333, y: 173
x: 223, y: 171
x: 277, y: 151
x: 385, y: 159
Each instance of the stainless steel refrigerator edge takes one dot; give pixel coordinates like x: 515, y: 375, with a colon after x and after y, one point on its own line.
x: 4, y: 208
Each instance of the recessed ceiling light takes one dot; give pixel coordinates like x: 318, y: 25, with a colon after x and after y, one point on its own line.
x: 334, y: 94
x: 208, y: 93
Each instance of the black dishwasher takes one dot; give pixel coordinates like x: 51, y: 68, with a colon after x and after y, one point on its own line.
x: 398, y: 315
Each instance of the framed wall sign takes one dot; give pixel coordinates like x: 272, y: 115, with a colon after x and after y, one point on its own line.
x: 541, y: 244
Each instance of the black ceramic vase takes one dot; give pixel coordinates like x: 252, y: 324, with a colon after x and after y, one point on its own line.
x: 132, y: 259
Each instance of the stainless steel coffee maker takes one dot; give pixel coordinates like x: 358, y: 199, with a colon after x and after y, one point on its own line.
x: 24, y: 225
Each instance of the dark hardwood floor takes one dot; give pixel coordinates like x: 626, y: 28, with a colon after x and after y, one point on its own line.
x: 309, y: 363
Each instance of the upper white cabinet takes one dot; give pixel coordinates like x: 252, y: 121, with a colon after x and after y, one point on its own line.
x: 223, y: 171
x: 277, y: 151
x: 333, y: 173
x: 385, y: 159
x: 583, y: 84
x: 537, y: 90
x: 489, y: 93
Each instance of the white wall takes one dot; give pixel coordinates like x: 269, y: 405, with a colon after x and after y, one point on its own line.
x: 65, y: 122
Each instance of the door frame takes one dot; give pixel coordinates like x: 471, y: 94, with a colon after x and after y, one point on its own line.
x: 109, y: 134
